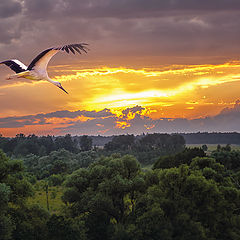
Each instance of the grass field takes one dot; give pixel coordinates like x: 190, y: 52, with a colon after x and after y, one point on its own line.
x: 54, y: 199
x: 212, y: 147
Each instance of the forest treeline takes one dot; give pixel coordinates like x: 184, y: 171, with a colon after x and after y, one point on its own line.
x: 190, y: 138
x: 212, y: 138
x: 146, y: 148
x: 107, y: 195
x: 73, y: 143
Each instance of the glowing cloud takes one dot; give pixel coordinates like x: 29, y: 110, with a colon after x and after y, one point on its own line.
x: 175, y: 91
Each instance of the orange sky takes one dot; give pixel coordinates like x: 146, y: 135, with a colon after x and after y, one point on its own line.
x: 169, y: 91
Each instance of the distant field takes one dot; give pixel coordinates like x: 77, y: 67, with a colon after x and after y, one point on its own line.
x: 212, y: 147
x: 54, y: 199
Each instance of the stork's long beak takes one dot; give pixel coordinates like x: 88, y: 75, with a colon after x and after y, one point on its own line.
x: 63, y: 89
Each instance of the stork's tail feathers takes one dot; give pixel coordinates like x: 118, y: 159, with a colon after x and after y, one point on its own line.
x: 18, y: 75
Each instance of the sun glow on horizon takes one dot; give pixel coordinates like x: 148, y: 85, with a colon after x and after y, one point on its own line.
x: 174, y: 91
x: 123, y: 87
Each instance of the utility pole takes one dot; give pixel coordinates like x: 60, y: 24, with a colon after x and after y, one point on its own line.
x: 46, y: 189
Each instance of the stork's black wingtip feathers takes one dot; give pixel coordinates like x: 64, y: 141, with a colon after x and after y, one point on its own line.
x: 70, y: 48
x: 73, y: 48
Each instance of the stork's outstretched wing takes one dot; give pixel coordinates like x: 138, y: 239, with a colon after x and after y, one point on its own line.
x: 15, y: 65
x: 40, y: 62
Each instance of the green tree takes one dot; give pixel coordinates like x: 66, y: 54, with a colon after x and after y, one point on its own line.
x: 149, y: 148
x: 227, y: 148
x: 63, y: 228
x: 14, y: 189
x: 106, y: 192
x: 86, y: 143
x: 66, y: 142
x: 204, y: 147
x: 30, y: 223
x: 189, y: 203
x: 184, y: 157
x: 120, y: 143
x: 58, y: 162
x: 230, y: 159
x: 56, y: 180
x: 6, y: 226
x: 48, y: 144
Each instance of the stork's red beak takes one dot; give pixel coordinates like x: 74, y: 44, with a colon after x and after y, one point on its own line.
x: 63, y: 89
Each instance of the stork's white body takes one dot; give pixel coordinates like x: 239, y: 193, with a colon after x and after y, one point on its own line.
x: 32, y: 75
x: 37, y: 70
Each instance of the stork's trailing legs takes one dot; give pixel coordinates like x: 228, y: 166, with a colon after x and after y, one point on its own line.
x: 11, y: 77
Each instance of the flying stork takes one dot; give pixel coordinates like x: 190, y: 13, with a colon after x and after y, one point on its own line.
x: 37, y: 69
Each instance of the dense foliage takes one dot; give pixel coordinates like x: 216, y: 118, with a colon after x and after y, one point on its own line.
x: 147, y: 148
x: 184, y: 157
x: 37, y: 149
x: 107, y: 195
x: 22, y: 145
x: 58, y: 162
x: 190, y: 138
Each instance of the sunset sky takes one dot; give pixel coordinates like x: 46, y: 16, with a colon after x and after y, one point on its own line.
x: 153, y: 66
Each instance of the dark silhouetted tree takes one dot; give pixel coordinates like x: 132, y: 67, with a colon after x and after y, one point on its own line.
x: 86, y: 143
x: 204, y: 147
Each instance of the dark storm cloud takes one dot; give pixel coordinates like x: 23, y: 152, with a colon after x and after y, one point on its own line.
x: 136, y: 109
x: 105, y: 123
x: 123, y: 8
x: 92, y: 127
x: 67, y: 114
x: 226, y: 121
x: 7, y: 36
x: 10, y: 13
x: 9, y: 8
x: 126, y: 27
x: 39, y: 119
x: 235, y: 109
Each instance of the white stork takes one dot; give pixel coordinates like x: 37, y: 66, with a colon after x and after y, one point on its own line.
x: 37, y: 69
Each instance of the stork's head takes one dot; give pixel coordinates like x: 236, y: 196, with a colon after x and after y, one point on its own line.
x: 58, y: 84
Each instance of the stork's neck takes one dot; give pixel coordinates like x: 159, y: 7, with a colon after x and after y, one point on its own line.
x: 52, y: 81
